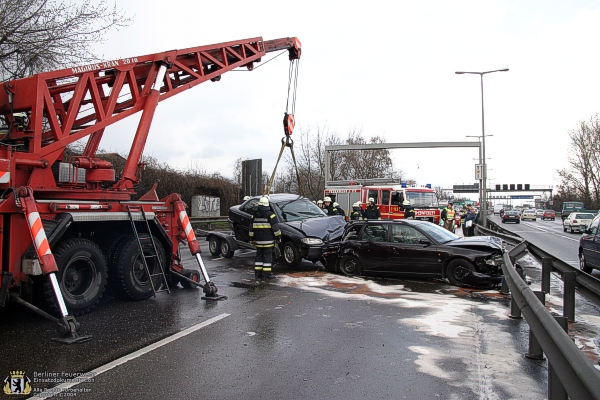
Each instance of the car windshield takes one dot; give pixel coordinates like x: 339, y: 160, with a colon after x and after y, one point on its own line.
x: 512, y: 213
x: 438, y: 234
x: 584, y: 216
x: 297, y: 210
x: 419, y: 199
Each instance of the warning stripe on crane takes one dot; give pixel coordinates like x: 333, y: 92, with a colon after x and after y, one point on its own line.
x: 39, y: 235
x: 187, y: 227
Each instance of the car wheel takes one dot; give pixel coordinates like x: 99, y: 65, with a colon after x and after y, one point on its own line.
x: 564, y: 228
x: 351, y: 266
x: 518, y: 222
x: 583, y: 265
x: 226, y: 250
x: 571, y: 229
x: 291, y: 255
x: 503, y: 221
x: 457, y: 270
x: 214, y: 246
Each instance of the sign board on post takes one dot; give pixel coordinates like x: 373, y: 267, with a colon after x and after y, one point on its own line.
x: 478, y: 172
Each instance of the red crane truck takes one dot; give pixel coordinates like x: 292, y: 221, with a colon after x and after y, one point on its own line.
x: 69, y: 228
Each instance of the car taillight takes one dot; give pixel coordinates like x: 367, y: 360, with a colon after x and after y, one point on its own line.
x: 574, y: 221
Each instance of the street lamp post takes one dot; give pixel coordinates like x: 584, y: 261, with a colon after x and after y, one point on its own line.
x: 483, y: 166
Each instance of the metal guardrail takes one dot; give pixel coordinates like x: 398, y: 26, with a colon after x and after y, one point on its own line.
x: 570, y: 373
x: 195, y: 221
x: 588, y: 285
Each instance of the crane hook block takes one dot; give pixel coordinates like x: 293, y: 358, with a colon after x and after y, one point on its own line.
x: 288, y: 124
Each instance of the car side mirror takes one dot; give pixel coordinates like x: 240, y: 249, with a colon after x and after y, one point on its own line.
x: 424, y: 241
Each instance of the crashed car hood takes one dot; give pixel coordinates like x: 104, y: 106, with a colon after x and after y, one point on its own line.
x: 326, y: 228
x: 490, y: 242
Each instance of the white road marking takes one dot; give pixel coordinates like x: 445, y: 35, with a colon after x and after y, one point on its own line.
x: 57, y: 390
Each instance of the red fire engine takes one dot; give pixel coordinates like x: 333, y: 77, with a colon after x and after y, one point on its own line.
x: 389, y: 197
x: 70, y: 227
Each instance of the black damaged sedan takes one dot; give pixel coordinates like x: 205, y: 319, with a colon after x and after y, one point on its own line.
x: 418, y: 249
x: 305, y: 228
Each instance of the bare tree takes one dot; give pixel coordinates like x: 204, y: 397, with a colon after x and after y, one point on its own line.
x: 344, y: 165
x: 41, y: 35
x: 581, y: 179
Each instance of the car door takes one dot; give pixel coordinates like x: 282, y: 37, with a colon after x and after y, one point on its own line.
x: 408, y: 256
x: 590, y: 244
x: 373, y: 248
x: 245, y: 216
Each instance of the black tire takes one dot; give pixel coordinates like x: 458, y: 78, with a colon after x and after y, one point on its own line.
x: 291, y: 254
x: 457, y: 270
x: 191, y: 274
x: 518, y: 222
x: 564, y: 228
x: 238, y: 232
x: 127, y: 276
x: 503, y: 221
x: 571, y: 229
x: 351, y: 266
x: 226, y: 250
x: 82, y: 276
x: 214, y: 246
x: 583, y: 264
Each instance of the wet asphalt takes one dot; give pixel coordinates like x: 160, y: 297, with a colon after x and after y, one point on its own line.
x: 309, y: 334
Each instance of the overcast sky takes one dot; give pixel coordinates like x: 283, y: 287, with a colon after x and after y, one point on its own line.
x: 385, y: 67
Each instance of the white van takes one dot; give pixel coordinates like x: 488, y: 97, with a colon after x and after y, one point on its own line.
x: 497, y: 208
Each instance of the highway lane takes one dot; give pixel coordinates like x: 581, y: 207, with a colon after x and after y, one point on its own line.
x: 309, y: 334
x: 549, y: 236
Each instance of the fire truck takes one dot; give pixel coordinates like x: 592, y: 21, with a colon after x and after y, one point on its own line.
x: 69, y: 228
x: 389, y: 197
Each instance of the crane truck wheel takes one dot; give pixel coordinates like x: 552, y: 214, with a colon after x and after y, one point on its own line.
x: 190, y: 274
x: 127, y: 275
x: 81, y: 276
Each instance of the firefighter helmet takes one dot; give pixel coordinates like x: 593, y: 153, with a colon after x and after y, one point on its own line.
x: 371, y: 200
x: 327, y: 199
x: 335, y: 204
x: 320, y: 202
x: 357, y: 204
x: 406, y: 203
x: 264, y: 201
x: 246, y: 198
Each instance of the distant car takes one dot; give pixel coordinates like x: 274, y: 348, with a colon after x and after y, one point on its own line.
x: 305, y: 228
x: 589, y: 248
x: 529, y: 214
x: 549, y: 214
x: 415, y: 249
x: 511, y: 216
x: 539, y: 213
x: 577, y: 222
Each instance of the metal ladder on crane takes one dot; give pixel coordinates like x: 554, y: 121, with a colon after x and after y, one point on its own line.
x: 164, y: 286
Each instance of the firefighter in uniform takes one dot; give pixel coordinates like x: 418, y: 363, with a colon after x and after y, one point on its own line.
x: 372, y: 211
x: 320, y: 204
x: 357, y: 213
x: 264, y: 231
x: 328, y: 206
x: 448, y: 217
x: 409, y: 211
x: 337, y: 210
